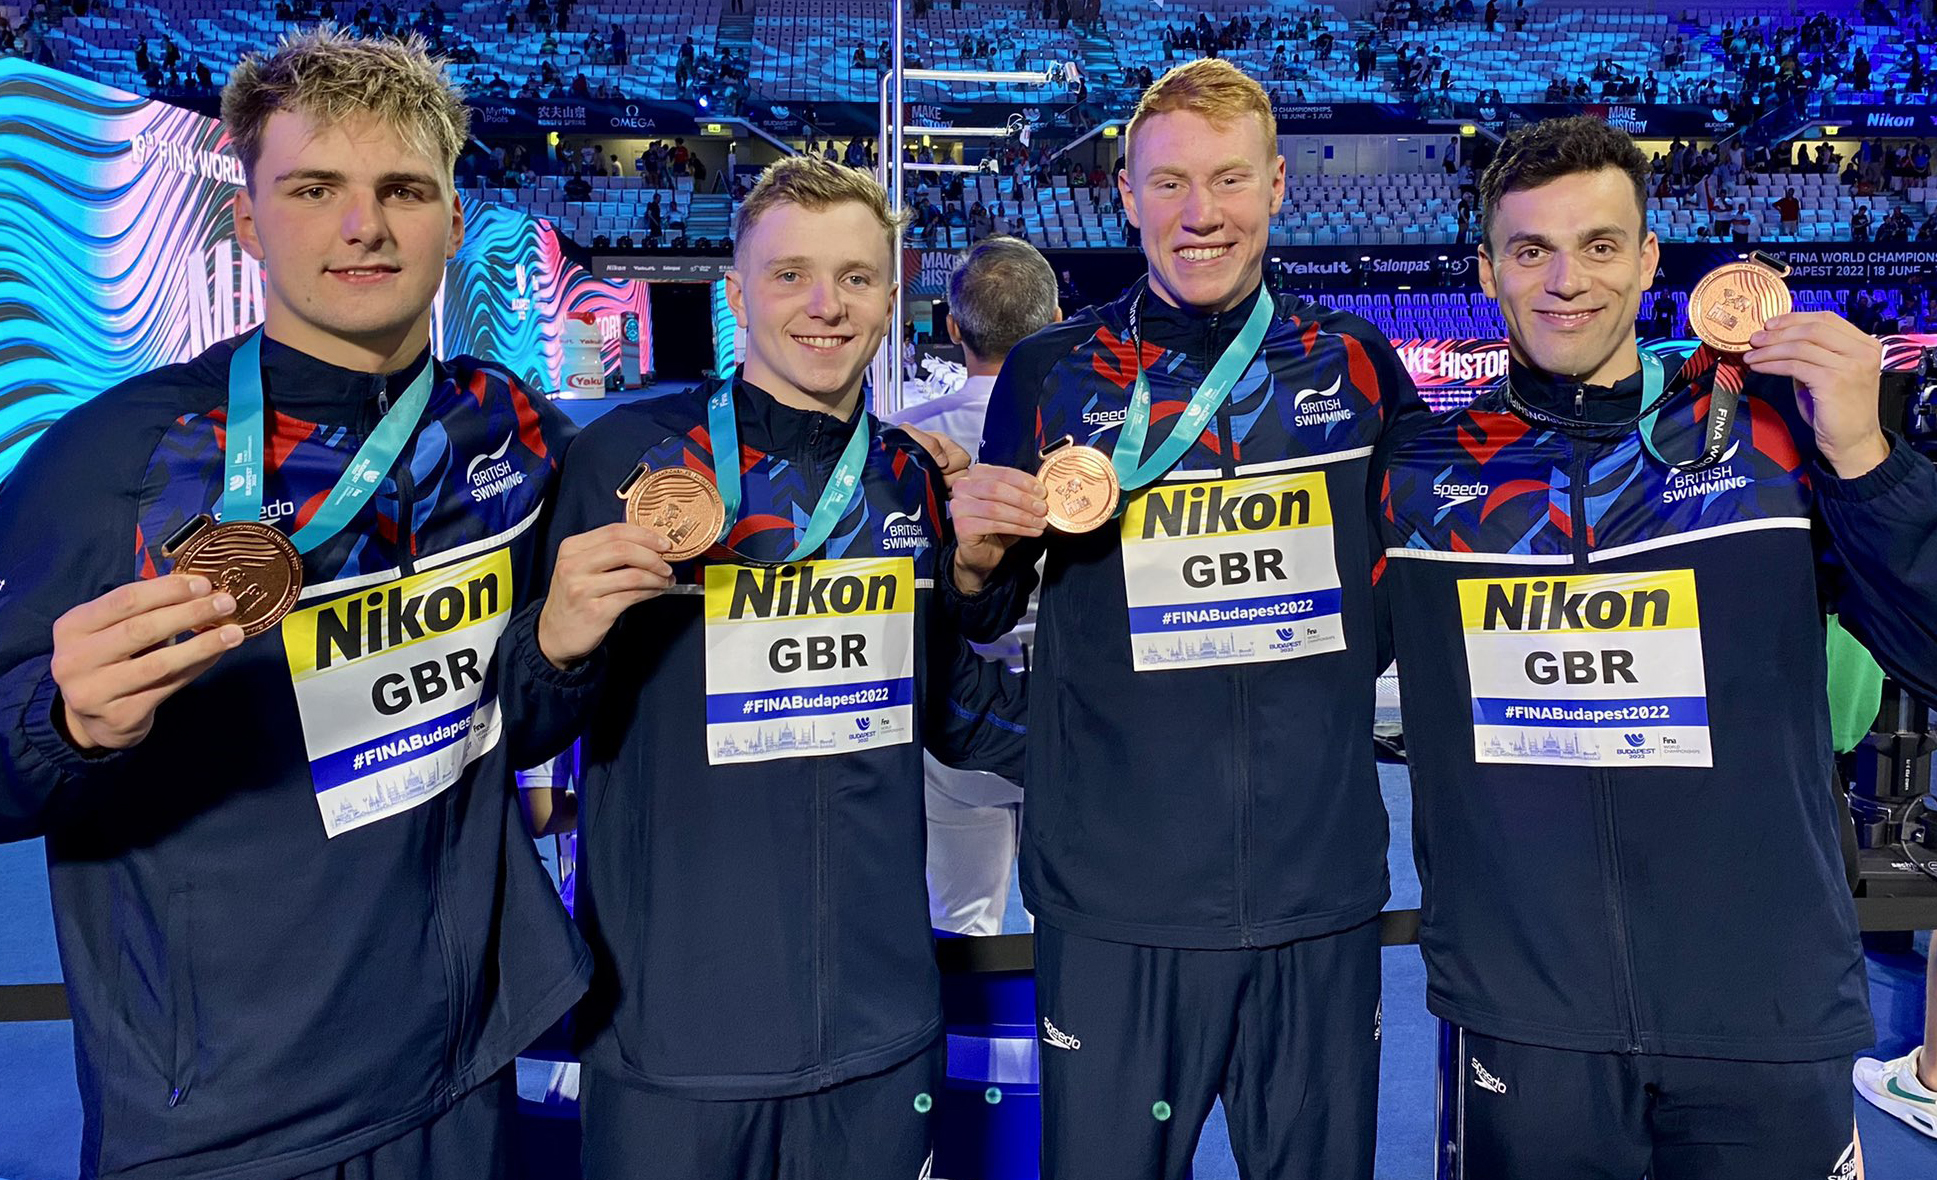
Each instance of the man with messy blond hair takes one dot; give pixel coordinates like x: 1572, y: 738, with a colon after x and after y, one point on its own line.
x: 1204, y: 842
x: 303, y: 930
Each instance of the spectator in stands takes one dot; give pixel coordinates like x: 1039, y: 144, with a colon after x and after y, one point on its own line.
x: 1789, y: 209
x: 655, y: 221
x: 1895, y: 227
x: 1860, y: 70
x: 578, y: 189
x: 1860, y: 224
x: 1927, y: 232
x: 1662, y: 327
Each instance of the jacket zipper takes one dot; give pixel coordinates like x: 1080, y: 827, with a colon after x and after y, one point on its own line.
x: 822, y: 1011
x: 1240, y: 692
x: 1611, y: 883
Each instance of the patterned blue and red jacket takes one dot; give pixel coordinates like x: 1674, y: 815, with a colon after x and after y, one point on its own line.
x: 1613, y: 688
x: 252, y: 997
x: 1231, y: 805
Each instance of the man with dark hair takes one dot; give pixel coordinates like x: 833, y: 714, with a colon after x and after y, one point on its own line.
x: 1616, y: 733
x: 1001, y: 291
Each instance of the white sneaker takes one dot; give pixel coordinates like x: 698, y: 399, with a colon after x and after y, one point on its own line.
x: 1892, y: 1087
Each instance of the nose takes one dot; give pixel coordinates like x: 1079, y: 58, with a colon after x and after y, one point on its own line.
x: 824, y: 300
x: 1566, y: 278
x: 1202, y: 214
x: 363, y: 221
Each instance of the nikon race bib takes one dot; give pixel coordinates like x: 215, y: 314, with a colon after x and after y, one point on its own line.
x: 1235, y: 571
x: 1587, y: 670
x: 388, y: 683
x: 810, y: 659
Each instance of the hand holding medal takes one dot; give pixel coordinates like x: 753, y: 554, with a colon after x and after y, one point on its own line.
x: 1836, y: 369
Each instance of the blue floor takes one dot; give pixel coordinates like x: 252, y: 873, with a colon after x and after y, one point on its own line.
x: 40, y: 1113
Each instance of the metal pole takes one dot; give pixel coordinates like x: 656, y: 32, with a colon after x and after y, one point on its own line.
x: 888, y: 399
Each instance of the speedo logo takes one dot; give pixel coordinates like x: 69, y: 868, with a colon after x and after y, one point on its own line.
x: 1193, y: 511
x: 1453, y: 495
x: 788, y: 591
x: 1052, y: 1035
x: 1317, y: 407
x: 272, y: 511
x: 492, y: 475
x: 1485, y: 1080
x: 1105, y: 417
x: 1550, y: 606
x: 367, y: 624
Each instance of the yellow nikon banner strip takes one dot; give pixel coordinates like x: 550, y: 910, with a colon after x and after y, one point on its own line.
x: 1227, y: 507
x: 809, y: 590
x: 1648, y: 601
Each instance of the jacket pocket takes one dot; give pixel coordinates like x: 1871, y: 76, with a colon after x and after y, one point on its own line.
x: 181, y: 997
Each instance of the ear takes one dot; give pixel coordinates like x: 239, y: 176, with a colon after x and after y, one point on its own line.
x: 736, y: 297
x: 954, y: 329
x: 1128, y: 197
x: 457, y: 226
x: 246, y: 231
x: 1650, y: 260
x: 1487, y: 281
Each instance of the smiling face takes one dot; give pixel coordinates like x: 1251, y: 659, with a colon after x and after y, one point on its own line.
x: 1203, y: 197
x: 814, y: 289
x: 1568, y: 261
x: 353, y: 228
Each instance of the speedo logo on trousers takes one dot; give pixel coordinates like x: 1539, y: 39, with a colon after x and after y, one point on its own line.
x: 796, y: 591
x: 1214, y: 509
x: 1536, y: 604
x: 370, y: 623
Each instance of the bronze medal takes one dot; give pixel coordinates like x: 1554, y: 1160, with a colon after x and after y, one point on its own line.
x: 1732, y: 302
x: 256, y: 564
x: 678, y: 502
x: 1081, y: 487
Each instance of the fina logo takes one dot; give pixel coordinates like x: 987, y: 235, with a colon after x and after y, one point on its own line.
x: 1634, y: 739
x: 780, y: 112
x: 1288, y: 633
x: 862, y: 723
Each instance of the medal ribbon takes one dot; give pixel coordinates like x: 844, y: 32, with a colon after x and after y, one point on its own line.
x: 1724, y: 396
x: 242, y: 494
x: 835, y: 497
x: 1236, y: 358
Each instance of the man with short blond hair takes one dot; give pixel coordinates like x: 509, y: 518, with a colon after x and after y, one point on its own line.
x: 303, y: 930
x: 1204, y: 841
x: 765, y: 1003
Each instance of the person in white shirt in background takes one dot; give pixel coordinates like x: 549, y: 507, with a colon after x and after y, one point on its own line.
x: 1001, y: 290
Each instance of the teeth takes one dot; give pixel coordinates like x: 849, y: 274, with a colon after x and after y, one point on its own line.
x: 821, y: 341
x: 1203, y: 254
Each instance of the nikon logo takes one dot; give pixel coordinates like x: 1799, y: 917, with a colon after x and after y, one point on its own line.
x: 778, y: 593
x: 383, y: 619
x: 1193, y: 512
x: 1543, y: 606
x: 1881, y: 119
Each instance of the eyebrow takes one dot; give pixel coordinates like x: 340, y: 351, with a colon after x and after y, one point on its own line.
x: 1600, y: 231
x: 1234, y: 164
x: 799, y: 260
x: 388, y: 179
